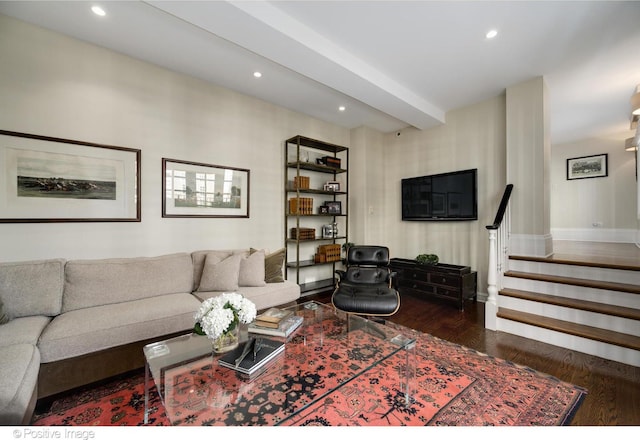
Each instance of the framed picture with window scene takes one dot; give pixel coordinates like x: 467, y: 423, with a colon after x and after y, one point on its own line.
x: 193, y: 189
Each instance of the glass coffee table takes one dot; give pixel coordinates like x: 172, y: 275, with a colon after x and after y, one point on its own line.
x: 327, y: 351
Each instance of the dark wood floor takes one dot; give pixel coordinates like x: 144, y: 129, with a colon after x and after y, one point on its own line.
x: 613, y: 388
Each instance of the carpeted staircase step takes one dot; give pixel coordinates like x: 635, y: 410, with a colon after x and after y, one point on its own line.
x: 589, y: 306
x: 584, y: 331
x: 596, y: 284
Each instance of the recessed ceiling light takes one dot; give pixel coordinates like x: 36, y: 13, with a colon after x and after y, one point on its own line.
x: 492, y: 34
x: 257, y: 74
x: 98, y: 11
x: 342, y: 108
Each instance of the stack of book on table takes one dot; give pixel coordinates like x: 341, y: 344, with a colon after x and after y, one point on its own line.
x: 252, y: 357
x: 276, y: 322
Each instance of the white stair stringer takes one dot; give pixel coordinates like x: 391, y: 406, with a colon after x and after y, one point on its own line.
x: 583, y: 317
x: 576, y: 343
x: 575, y: 271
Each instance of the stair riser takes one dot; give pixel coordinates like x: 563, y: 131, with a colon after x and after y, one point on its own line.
x: 576, y: 343
x: 608, y: 322
x: 622, y: 299
x: 583, y: 272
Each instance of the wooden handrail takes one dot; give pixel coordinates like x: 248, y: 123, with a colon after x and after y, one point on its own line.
x: 502, y: 208
x: 498, y: 250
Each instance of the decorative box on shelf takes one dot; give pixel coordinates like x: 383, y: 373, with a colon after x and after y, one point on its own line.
x: 328, y: 253
x: 303, y: 233
x: 329, y: 161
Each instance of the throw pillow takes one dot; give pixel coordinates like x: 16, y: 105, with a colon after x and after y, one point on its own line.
x: 199, y: 257
x: 252, y: 270
x: 273, y: 264
x: 4, y: 317
x: 220, y: 275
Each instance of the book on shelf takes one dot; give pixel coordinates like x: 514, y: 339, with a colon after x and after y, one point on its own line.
x: 287, y: 326
x: 266, y: 350
x: 301, y: 205
x: 272, y: 317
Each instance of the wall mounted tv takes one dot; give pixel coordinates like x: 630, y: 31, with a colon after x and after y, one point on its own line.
x: 441, y: 197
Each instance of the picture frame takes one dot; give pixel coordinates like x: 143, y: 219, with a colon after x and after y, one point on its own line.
x: 332, y: 186
x: 194, y: 189
x: 50, y: 179
x: 334, y: 207
x: 587, y: 167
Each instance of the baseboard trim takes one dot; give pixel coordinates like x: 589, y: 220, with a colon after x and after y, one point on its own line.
x: 595, y: 234
x: 531, y: 245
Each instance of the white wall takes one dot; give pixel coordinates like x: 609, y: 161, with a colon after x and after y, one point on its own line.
x: 473, y: 137
x: 368, y: 204
x: 528, y: 158
x: 596, y: 209
x: 56, y: 86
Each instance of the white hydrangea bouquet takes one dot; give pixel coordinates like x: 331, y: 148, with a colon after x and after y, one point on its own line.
x: 221, y: 315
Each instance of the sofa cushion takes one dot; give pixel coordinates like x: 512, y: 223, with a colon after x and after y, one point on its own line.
x: 97, y: 328
x: 24, y: 330
x: 19, y: 366
x: 4, y: 318
x: 270, y: 295
x: 32, y: 288
x: 274, y: 263
x: 220, y: 275
x: 199, y: 257
x: 90, y: 283
x: 252, y: 270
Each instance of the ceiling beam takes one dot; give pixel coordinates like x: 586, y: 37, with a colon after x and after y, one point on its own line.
x: 267, y: 31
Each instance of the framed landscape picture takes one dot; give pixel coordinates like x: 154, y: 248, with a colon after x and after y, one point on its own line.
x: 587, y: 167
x: 191, y: 189
x: 47, y: 179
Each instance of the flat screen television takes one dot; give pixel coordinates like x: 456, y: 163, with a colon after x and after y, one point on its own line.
x: 441, y: 197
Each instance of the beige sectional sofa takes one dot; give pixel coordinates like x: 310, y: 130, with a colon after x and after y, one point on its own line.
x: 71, y: 323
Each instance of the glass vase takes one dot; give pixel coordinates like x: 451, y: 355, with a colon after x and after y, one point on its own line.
x: 227, y: 341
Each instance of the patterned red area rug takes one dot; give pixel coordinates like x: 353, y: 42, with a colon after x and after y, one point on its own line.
x: 454, y: 386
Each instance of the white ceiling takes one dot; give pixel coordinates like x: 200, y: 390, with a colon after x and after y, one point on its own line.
x: 392, y: 64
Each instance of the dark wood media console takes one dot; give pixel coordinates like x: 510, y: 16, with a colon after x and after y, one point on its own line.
x: 445, y: 281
